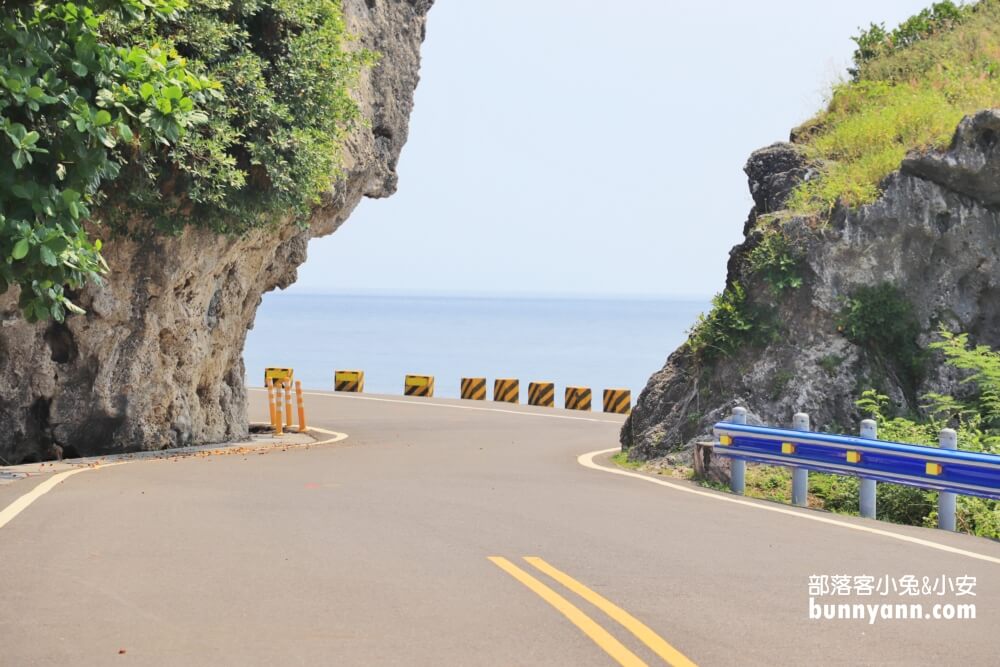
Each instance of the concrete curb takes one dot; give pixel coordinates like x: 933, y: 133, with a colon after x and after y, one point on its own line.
x: 257, y: 444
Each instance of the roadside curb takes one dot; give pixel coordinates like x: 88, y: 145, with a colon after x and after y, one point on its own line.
x: 258, y: 444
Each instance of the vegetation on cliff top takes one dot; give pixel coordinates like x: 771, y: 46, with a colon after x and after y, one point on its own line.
x: 910, y: 87
x: 151, y: 115
x: 908, y: 90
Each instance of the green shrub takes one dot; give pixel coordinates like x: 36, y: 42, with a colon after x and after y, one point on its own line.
x: 830, y: 364
x: 836, y: 493
x: 881, y: 319
x: 775, y: 261
x: 732, y: 323
x: 877, y: 42
x: 163, y: 111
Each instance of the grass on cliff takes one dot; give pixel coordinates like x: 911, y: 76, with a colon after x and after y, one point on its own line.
x: 909, y: 92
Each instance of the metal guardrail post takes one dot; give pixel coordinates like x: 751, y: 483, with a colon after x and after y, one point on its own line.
x: 948, y: 439
x: 800, y: 476
x: 866, y: 499
x: 738, y: 467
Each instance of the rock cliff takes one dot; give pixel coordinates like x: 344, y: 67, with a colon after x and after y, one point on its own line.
x: 934, y: 235
x: 157, y: 360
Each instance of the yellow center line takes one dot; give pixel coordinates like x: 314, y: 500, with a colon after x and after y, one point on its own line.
x: 599, y: 635
x: 671, y: 655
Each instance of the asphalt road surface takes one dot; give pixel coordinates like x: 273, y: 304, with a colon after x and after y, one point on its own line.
x: 406, y: 544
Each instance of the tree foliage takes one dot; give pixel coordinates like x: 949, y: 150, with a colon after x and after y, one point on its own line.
x: 155, y: 114
x: 882, y: 320
x: 876, y: 41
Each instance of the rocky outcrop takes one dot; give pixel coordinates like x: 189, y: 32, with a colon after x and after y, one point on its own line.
x: 934, y: 234
x: 157, y: 360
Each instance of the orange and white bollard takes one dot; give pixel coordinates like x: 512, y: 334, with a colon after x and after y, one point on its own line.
x: 278, y: 430
x: 302, y: 407
x: 288, y: 403
x: 270, y: 400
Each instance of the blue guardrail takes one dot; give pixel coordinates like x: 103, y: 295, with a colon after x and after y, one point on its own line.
x: 955, y: 471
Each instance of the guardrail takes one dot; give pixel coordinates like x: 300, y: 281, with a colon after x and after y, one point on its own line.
x: 943, y: 468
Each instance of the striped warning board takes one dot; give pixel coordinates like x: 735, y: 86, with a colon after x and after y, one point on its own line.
x: 618, y: 401
x: 279, y: 375
x: 506, y: 390
x: 474, y: 389
x: 577, y: 398
x: 418, y: 385
x: 349, y: 381
x: 542, y: 393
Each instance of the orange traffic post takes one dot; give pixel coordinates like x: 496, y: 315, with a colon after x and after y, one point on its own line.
x: 302, y: 407
x: 278, y: 421
x: 270, y: 400
x: 288, y: 404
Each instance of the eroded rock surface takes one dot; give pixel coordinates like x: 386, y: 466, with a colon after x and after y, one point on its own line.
x: 157, y: 360
x: 934, y: 234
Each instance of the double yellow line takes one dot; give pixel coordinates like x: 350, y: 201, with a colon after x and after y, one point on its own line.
x: 587, y: 625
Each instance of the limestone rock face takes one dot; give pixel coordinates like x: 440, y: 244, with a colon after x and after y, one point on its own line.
x: 157, y: 360
x: 934, y: 234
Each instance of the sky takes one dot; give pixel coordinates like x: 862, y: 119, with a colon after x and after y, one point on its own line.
x: 589, y: 148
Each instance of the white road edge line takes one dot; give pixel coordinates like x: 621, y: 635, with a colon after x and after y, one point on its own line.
x: 587, y: 461
x: 22, y: 503
x: 448, y: 405
x: 337, y: 436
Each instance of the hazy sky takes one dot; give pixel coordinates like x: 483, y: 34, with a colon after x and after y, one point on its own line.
x: 589, y: 147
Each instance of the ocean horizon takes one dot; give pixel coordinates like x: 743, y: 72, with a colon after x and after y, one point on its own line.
x: 599, y: 342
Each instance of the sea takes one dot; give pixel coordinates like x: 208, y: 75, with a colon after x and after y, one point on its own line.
x: 601, y: 343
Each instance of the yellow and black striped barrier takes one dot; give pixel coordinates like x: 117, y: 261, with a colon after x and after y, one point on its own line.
x: 618, y: 401
x: 349, y: 381
x: 506, y: 390
x: 279, y: 375
x: 474, y: 389
x: 577, y: 398
x: 419, y: 385
x: 542, y: 393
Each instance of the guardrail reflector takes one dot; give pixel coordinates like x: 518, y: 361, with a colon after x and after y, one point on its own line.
x: 725, y: 440
x: 787, y: 448
x: 854, y: 457
x: 933, y: 468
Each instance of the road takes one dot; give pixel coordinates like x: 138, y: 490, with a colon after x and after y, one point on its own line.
x: 405, y: 544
